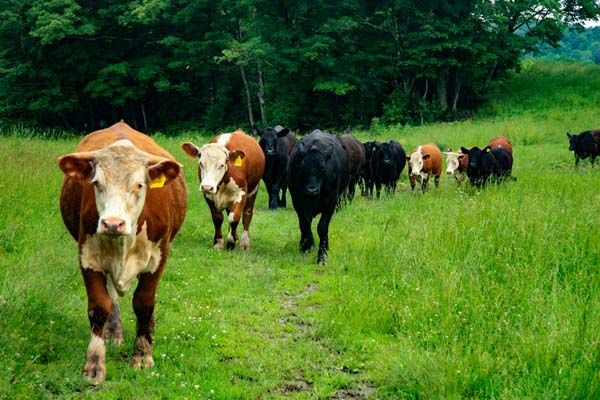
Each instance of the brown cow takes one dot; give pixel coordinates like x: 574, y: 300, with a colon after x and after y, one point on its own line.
x: 123, y: 199
x: 425, y: 161
x: 500, y: 142
x: 230, y: 168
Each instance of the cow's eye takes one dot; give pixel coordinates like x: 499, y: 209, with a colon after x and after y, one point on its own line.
x: 222, y: 166
x: 96, y: 184
x: 140, y: 186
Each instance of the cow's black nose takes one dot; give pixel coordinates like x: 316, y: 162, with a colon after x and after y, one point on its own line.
x: 312, y: 191
x: 270, y: 151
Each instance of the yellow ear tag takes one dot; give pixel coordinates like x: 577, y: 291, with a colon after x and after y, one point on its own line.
x: 158, y: 182
x: 238, y: 161
x: 488, y: 150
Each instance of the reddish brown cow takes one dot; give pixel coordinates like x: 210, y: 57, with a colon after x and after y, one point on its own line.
x: 123, y: 199
x: 500, y: 142
x: 425, y: 161
x: 230, y: 168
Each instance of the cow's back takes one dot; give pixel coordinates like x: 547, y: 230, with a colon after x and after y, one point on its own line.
x: 164, y: 208
x: 254, y: 159
x: 355, y: 153
x: 500, y: 142
x: 432, y: 165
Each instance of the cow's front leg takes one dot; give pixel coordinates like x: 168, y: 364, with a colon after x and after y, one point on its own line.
x: 273, y: 197
x: 99, y: 308
x: 437, y: 181
x: 424, y: 182
x: 217, y: 218
x: 234, y: 220
x: 246, y: 220
x: 323, y: 231
x: 378, y: 189
x: 143, y: 306
x: 576, y: 160
x: 307, y: 241
x: 113, y: 331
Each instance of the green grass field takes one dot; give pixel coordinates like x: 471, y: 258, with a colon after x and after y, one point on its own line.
x: 450, y: 294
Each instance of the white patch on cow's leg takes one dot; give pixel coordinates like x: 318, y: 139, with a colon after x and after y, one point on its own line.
x: 95, y: 366
x: 231, y: 217
x: 219, y: 244
x: 113, y: 329
x: 142, y: 357
x: 230, y: 238
x: 245, y: 240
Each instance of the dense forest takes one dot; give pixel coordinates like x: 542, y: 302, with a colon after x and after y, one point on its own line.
x: 576, y: 45
x: 82, y: 64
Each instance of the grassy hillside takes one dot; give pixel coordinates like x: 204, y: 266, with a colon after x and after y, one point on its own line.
x: 451, y: 294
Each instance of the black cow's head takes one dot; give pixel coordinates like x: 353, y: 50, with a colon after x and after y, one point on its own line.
x: 481, y: 163
x: 573, y: 139
x: 269, y: 139
x: 370, y: 149
x: 313, y: 167
x: 385, y: 154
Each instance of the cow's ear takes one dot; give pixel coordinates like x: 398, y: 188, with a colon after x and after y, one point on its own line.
x: 407, y: 158
x: 464, y: 150
x: 191, y: 149
x: 163, y: 172
x: 426, y: 156
x: 568, y: 135
x: 283, y: 132
x: 487, y: 149
x: 300, y: 145
x: 77, y: 165
x: 449, y: 150
x: 236, y: 157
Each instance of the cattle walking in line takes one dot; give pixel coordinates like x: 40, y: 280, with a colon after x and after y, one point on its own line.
x: 456, y: 164
x: 317, y: 178
x: 356, y: 159
x: 229, y: 168
x: 123, y: 200
x: 367, y: 183
x: 277, y: 144
x: 424, y: 162
x: 488, y: 164
x: 387, y: 163
x: 584, y: 145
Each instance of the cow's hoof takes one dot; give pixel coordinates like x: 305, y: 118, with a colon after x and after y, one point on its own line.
x: 140, y: 361
x: 230, y: 245
x: 115, y: 336
x: 142, y: 357
x: 306, y: 248
x: 95, y: 370
x: 219, y: 244
x: 245, y: 241
x: 321, y: 262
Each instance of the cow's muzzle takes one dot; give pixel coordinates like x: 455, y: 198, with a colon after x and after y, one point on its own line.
x: 112, y: 226
x: 208, y: 189
x: 312, y: 191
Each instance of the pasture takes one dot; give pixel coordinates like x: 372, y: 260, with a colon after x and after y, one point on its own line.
x: 451, y: 294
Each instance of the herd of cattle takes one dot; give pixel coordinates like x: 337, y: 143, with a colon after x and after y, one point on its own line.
x: 124, y: 199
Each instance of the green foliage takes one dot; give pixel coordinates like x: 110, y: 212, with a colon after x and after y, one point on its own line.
x: 155, y: 63
x: 576, y: 45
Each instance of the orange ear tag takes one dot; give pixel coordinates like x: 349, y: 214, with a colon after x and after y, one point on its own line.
x: 238, y: 162
x: 158, y: 182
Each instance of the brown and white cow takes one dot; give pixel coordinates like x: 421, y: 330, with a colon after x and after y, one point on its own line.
x: 500, y: 142
x: 123, y: 199
x: 230, y: 168
x: 456, y: 164
x: 424, y: 162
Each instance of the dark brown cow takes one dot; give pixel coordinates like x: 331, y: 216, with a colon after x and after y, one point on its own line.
x: 123, y: 199
x: 356, y: 159
x: 230, y: 168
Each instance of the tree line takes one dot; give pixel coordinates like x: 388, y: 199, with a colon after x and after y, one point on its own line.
x: 576, y: 45
x: 82, y: 64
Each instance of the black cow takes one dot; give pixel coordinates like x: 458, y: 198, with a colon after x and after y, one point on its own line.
x: 584, y: 145
x: 367, y: 182
x: 277, y: 144
x: 356, y: 159
x: 487, y: 164
x: 387, y: 163
x: 317, y: 178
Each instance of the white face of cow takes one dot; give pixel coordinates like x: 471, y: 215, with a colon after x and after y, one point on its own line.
x: 452, y: 162
x: 121, y: 174
x: 212, y: 166
x: 416, y: 162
